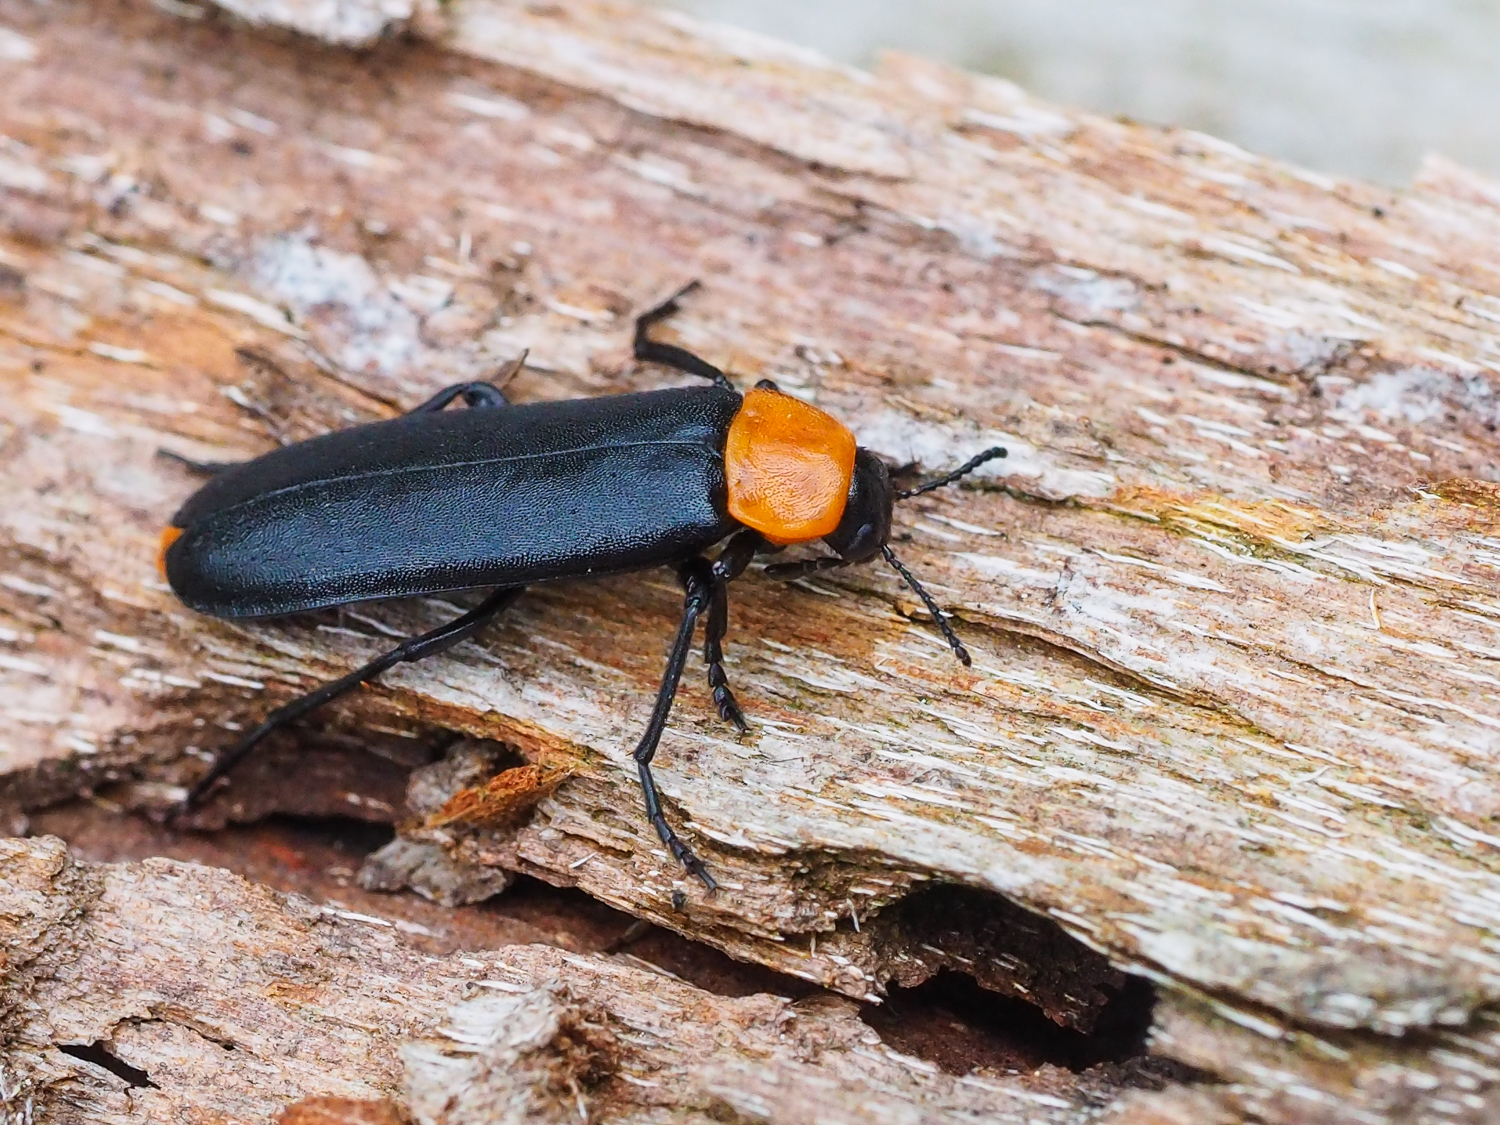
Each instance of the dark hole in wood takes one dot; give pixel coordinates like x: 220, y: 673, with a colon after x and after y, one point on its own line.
x: 316, y: 772
x: 955, y: 1024
x: 344, y: 835
x: 1008, y: 951
x: 713, y: 971
x: 99, y: 1055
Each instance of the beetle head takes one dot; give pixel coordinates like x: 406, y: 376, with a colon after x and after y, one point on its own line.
x: 866, y: 523
x: 865, y: 530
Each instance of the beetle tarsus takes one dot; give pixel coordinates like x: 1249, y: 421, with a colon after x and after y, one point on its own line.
x: 695, y: 866
x: 714, y: 629
x: 729, y: 708
x: 665, y: 308
x: 680, y: 851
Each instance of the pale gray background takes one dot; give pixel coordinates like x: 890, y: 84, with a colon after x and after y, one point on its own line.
x: 1354, y: 87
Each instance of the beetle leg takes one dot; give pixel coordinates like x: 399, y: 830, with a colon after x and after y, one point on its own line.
x: 670, y: 355
x: 801, y: 568
x: 730, y: 564
x: 737, y: 554
x: 713, y: 655
x: 416, y: 648
x: 476, y: 394
x: 202, y: 468
x: 697, y: 579
x: 473, y: 394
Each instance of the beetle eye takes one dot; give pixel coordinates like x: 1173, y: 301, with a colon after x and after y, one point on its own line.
x: 864, y: 541
x: 866, y: 523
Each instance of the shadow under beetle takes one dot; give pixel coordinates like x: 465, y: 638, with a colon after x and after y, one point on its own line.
x: 501, y: 496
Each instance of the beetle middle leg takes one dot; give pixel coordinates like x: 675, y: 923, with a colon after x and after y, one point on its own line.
x: 479, y: 394
x: 730, y: 564
x: 416, y: 648
x: 475, y: 395
x: 698, y: 580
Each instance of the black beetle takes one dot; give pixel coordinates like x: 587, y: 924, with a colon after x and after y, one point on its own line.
x: 501, y: 496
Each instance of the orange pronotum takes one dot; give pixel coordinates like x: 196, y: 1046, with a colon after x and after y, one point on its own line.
x: 788, y: 466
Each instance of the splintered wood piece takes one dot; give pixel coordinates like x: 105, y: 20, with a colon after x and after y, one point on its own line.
x: 505, y: 797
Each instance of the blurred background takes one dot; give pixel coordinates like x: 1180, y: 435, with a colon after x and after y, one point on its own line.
x: 1360, y: 88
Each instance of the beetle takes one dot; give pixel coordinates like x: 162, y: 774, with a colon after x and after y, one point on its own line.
x: 500, y: 496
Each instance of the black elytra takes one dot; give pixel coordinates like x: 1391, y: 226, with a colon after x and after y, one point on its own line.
x: 499, y: 496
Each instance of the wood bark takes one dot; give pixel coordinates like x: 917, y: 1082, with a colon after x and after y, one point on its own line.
x: 225, y: 1002
x: 1231, y: 724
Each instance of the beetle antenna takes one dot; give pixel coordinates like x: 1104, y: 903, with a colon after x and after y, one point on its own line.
x: 948, y: 478
x: 932, y: 607
x: 803, y: 567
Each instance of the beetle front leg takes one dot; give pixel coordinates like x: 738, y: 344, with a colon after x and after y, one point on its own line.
x: 713, y: 655
x: 730, y: 564
x: 698, y: 580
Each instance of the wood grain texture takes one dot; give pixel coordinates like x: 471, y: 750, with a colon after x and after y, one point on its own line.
x: 231, y: 1003
x: 1232, y: 719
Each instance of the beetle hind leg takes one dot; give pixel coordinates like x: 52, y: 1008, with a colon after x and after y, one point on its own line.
x: 201, y: 468
x: 416, y: 648
x: 477, y: 395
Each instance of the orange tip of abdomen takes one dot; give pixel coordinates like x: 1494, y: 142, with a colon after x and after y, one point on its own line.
x: 788, y: 466
x: 169, y: 535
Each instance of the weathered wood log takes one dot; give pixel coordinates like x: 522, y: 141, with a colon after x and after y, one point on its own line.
x: 1231, y: 724
x: 171, y: 992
